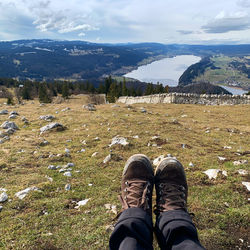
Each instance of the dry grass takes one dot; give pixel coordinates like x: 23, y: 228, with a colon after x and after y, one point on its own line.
x: 48, y: 219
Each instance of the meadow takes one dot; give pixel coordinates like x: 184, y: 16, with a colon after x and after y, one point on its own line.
x: 196, y: 135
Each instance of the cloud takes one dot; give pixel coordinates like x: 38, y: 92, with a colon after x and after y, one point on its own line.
x: 244, y: 3
x: 185, y: 32
x: 224, y: 23
x: 82, y: 34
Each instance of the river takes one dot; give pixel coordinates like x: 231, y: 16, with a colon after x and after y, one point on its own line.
x: 168, y: 71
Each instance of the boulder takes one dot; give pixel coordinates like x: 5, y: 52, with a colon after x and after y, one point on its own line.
x: 23, y: 193
x: 52, y: 126
x: 4, y: 112
x: 90, y: 107
x: 3, y: 197
x: 7, y: 125
x: 47, y: 118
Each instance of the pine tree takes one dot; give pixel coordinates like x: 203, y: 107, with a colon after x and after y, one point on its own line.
x: 43, y: 94
x: 149, y: 89
x: 65, y: 91
x: 113, y: 92
x: 26, y: 95
x: 124, y: 88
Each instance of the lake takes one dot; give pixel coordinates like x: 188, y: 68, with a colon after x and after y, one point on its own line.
x: 168, y: 71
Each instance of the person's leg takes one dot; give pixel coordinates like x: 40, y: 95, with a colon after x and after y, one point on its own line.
x: 134, y: 228
x: 174, y: 227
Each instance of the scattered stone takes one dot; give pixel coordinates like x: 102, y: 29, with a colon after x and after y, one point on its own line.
x: 70, y: 165
x: 213, y: 173
x: 25, y: 120
x: 136, y: 137
x: 43, y: 143
x: 47, y: 118
x: 246, y: 184
x: 90, y: 184
x: 65, y: 109
x: 227, y: 147
x: 240, y: 171
x: 157, y: 160
x: 67, y: 187
x: 143, y: 110
x: 14, y: 113
x: 67, y: 151
x: 115, y: 106
x: 207, y: 131
x: 119, y: 140
x: 221, y: 158
x: 7, y: 125
x: 240, y: 162
x: 52, y: 167
x: 12, y: 116
x: 97, y: 139
x: 175, y: 121
x: 10, y: 131
x: 82, y: 203
x: 94, y: 154
x: 23, y: 193
x: 107, y: 158
x: 4, y: 112
x: 3, y: 197
x: 68, y: 174
x: 183, y: 116
x: 108, y: 129
x: 226, y: 204
x: 111, y: 207
x: 52, y: 126
x: 3, y: 190
x: 155, y: 137
x: 90, y: 107
x: 191, y: 164
x: 109, y: 228
x: 49, y: 178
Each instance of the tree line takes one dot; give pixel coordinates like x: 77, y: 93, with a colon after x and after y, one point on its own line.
x: 45, y: 91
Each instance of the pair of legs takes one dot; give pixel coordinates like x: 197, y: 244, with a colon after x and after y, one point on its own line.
x: 174, y: 228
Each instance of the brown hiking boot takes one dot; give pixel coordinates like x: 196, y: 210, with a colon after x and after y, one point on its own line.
x: 137, y: 183
x: 171, y: 186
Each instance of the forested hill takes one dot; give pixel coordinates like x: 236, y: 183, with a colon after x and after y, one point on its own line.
x: 78, y: 60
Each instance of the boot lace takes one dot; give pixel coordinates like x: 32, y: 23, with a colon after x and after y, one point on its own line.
x: 136, y: 194
x: 170, y: 196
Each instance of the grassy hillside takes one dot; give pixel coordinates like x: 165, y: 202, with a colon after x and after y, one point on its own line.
x: 230, y: 71
x: 48, y: 219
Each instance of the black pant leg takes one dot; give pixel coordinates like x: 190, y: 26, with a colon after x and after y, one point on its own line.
x: 175, y: 230
x: 134, y: 230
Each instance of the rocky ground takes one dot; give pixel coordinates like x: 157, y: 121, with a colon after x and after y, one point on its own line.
x: 61, y: 164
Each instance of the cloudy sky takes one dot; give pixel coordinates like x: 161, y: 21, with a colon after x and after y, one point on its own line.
x: 115, y: 21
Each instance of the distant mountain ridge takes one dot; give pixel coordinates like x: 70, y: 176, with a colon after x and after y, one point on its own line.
x: 46, y: 59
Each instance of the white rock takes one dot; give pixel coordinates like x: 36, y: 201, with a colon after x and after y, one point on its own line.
x: 65, y: 109
x: 94, y: 154
x: 3, y: 197
x: 49, y: 178
x: 67, y: 187
x: 8, y: 124
x: 157, y: 160
x: 136, y: 137
x: 119, y: 140
x: 90, y: 184
x: 240, y: 171
x: 68, y: 174
x: 23, y: 193
x: 70, y: 165
x: 4, y: 112
x: 48, y: 118
x: 221, y: 158
x: 111, y: 207
x: 246, y: 184
x: 12, y: 116
x: 212, y: 173
x: 227, y: 147
x: 97, y: 139
x: 50, y: 126
x: 240, y: 162
x: 82, y: 203
x: 191, y: 164
x: 3, y: 190
x: 52, y: 167
x: 107, y: 158
x: 67, y: 150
